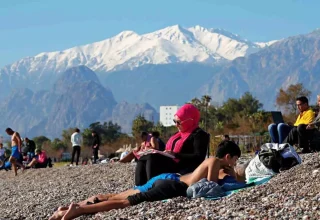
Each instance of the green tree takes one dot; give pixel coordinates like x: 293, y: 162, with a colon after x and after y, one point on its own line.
x: 40, y: 140
x: 66, y: 136
x: 87, y: 137
x: 196, y: 102
x: 140, y: 124
x: 109, y: 132
x: 286, y: 98
x: 249, y: 104
x: 57, y: 144
x: 259, y: 122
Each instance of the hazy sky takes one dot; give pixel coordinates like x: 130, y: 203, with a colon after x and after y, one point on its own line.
x: 28, y: 27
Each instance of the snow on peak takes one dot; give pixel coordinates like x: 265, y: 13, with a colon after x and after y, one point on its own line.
x: 129, y: 50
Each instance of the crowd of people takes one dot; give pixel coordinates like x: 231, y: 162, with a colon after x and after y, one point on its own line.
x: 187, y: 165
x: 167, y: 170
x: 30, y: 157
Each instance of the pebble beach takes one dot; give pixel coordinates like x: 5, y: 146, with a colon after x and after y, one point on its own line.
x: 35, y: 193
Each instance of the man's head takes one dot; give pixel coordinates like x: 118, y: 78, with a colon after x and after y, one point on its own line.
x: 1, y: 145
x: 155, y: 134
x: 144, y: 136
x: 9, y: 131
x: 26, y: 140
x: 229, y: 152
x: 226, y: 137
x: 302, y: 104
x: 93, y: 133
x: 77, y: 130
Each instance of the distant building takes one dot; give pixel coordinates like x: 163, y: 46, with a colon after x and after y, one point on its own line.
x: 167, y: 115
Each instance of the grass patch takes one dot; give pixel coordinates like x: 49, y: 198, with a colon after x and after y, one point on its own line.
x: 60, y: 164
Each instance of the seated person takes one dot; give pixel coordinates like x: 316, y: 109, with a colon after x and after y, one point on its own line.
x: 316, y: 121
x: 2, y: 151
x: 146, y: 144
x: 280, y: 131
x: 299, y: 134
x: 5, y: 163
x: 40, y: 161
x: 188, y: 146
x: 156, y: 141
x: 161, y: 187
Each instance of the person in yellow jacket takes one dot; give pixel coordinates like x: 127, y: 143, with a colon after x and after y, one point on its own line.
x: 299, y: 134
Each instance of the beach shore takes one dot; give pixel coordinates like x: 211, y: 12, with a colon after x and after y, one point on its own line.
x: 34, y: 194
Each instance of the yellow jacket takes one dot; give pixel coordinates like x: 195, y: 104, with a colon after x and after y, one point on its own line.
x: 305, y: 117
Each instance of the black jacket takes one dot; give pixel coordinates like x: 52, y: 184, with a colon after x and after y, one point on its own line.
x: 30, y: 146
x: 193, y: 151
x: 96, y: 141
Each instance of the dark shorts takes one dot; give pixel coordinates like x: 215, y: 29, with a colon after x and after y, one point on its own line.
x: 161, y: 189
x: 164, y: 176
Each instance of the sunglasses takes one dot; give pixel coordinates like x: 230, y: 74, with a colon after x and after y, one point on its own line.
x: 177, y: 122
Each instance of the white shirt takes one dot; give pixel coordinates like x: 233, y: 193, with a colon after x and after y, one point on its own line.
x: 76, y: 139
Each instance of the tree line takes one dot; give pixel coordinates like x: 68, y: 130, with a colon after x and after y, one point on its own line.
x: 244, y: 115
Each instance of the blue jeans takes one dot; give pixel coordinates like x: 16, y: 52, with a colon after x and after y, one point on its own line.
x: 279, y: 132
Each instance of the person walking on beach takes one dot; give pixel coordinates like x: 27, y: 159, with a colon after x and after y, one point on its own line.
x: 95, y: 146
x: 15, y: 150
x: 76, y: 140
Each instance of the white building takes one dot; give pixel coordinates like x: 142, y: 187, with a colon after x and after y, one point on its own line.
x: 167, y: 115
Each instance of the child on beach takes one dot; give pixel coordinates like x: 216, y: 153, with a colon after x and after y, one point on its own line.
x: 161, y: 187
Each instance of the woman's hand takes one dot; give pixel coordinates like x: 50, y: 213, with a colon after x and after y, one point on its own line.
x: 170, y: 152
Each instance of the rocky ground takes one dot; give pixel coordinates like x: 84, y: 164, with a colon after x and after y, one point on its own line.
x: 294, y: 194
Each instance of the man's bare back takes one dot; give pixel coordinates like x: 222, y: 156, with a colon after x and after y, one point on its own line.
x: 16, y: 140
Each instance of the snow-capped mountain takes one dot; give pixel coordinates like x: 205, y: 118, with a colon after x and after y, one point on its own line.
x: 128, y: 50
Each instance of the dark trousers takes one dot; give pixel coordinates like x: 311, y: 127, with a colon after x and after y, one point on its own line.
x: 95, y: 154
x: 300, y: 135
x: 75, y: 150
x: 153, y: 165
x: 162, y: 189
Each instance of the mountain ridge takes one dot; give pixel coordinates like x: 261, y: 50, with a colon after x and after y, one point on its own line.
x: 78, y: 100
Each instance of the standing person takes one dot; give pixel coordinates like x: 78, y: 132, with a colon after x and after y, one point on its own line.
x: 95, y: 145
x: 76, y: 140
x: 15, y: 150
x: 31, y: 147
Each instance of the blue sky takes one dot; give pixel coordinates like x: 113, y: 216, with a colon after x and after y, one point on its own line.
x: 28, y: 27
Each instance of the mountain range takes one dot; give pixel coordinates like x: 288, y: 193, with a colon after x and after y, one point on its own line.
x: 170, y: 66
x: 76, y: 99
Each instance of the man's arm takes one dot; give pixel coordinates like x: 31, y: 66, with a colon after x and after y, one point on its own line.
x: 18, y: 141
